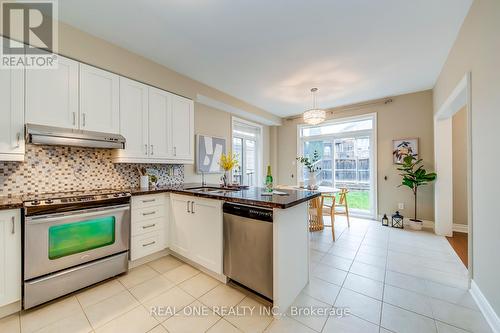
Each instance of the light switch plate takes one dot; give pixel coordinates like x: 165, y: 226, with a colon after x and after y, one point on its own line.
x: 401, y: 205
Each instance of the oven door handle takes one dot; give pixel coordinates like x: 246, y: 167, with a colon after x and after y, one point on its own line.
x: 81, y: 214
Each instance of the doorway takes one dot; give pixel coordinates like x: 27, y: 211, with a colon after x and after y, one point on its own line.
x: 347, y: 159
x: 453, y: 182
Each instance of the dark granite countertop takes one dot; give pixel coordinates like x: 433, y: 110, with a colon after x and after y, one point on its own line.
x: 251, y: 196
x: 11, y: 202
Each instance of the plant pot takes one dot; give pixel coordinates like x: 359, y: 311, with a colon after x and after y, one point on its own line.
x: 416, y: 224
x: 311, y: 184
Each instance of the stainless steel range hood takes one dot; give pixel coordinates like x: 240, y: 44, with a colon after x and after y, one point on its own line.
x: 48, y: 135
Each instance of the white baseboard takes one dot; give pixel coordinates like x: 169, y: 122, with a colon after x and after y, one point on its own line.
x: 485, y: 307
x: 461, y: 228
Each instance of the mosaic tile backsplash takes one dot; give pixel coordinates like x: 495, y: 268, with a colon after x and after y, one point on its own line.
x: 54, y: 169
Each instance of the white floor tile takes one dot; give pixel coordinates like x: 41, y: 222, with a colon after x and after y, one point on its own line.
x: 360, y: 305
x: 445, y: 328
x: 337, y: 262
x: 10, y: 324
x: 137, y: 320
x: 458, y: 316
x: 165, y: 264
x: 406, y: 282
x: 110, y: 308
x: 301, y: 310
x: 349, y: 324
x: 199, y: 285
x: 330, y: 274
x: 287, y: 325
x: 369, y: 271
x: 251, y: 316
x: 181, y: 273
x: 364, y: 285
x: 408, y: 300
x: 137, y: 275
x: 321, y: 290
x: 222, y: 296
x: 402, y: 321
x: 100, y: 292
x: 168, y: 303
x: 449, y: 294
x: 151, y: 288
x: 223, y: 326
x: 45, y: 315
x: 77, y: 323
x: 194, y: 318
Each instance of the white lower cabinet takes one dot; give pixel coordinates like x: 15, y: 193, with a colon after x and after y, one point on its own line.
x: 196, y: 230
x: 149, y: 225
x: 10, y: 256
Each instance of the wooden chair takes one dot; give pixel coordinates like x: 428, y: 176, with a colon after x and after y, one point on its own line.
x: 319, y: 208
x: 341, y: 207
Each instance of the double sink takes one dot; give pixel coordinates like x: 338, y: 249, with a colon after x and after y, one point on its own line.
x: 211, y: 190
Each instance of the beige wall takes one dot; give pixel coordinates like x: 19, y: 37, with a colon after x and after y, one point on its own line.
x: 477, y: 50
x: 459, y: 141
x: 408, y: 115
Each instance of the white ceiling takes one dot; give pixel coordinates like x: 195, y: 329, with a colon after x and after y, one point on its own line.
x: 271, y: 52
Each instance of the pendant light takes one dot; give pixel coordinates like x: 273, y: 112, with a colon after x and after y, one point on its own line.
x: 315, y: 115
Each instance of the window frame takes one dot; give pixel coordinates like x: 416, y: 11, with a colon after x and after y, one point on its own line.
x: 372, y: 134
x: 259, y: 147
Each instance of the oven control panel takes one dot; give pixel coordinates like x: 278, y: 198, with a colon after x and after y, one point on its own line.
x: 74, y: 199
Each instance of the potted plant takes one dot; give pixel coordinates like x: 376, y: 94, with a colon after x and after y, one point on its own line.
x: 227, y: 162
x: 312, y: 166
x: 414, y: 175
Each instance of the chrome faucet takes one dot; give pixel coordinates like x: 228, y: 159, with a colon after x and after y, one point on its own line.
x: 203, y: 182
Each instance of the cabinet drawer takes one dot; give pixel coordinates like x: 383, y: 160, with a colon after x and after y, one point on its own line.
x: 148, y: 200
x: 147, y: 226
x: 147, y: 213
x: 146, y: 244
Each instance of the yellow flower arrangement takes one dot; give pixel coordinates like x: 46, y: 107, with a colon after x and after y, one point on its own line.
x: 228, y: 161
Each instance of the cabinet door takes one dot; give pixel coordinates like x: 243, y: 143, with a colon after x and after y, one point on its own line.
x: 181, y: 226
x: 12, y: 115
x: 159, y: 121
x: 134, y: 118
x: 52, y: 95
x: 10, y: 256
x: 182, y: 129
x: 206, y: 237
x: 99, y: 100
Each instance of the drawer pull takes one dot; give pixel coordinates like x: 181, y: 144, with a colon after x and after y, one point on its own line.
x: 148, y: 226
x: 149, y: 213
x: 148, y: 244
x: 13, y: 220
x: 149, y: 200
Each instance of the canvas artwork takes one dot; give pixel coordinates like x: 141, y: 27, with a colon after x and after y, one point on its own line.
x: 208, y: 152
x: 404, y: 147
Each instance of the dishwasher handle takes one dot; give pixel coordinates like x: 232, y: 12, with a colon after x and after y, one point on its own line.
x: 254, y: 213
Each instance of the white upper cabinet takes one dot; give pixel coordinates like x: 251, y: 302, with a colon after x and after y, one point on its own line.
x: 134, y: 125
x: 52, y: 95
x: 99, y: 100
x: 10, y: 256
x: 159, y: 122
x: 182, y: 129
x: 12, y: 115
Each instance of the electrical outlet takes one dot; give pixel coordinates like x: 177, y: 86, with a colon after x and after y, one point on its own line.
x: 401, y: 206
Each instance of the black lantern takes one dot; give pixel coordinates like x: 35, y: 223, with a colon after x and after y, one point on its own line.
x: 385, y: 221
x: 397, y: 220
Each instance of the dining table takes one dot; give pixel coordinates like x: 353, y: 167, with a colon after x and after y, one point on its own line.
x: 316, y: 222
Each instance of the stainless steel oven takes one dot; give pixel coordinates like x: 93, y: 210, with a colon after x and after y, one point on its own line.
x: 72, y: 243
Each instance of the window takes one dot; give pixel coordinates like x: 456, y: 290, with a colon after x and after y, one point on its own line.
x: 247, y: 145
x: 346, y: 159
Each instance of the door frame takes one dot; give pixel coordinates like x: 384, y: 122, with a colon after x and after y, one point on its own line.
x: 443, y: 207
x: 373, y: 154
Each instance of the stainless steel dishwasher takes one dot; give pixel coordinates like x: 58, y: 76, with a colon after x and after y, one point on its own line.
x: 248, y: 247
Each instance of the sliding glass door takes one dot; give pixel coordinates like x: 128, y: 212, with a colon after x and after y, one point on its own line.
x: 346, y: 160
x: 247, y: 147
